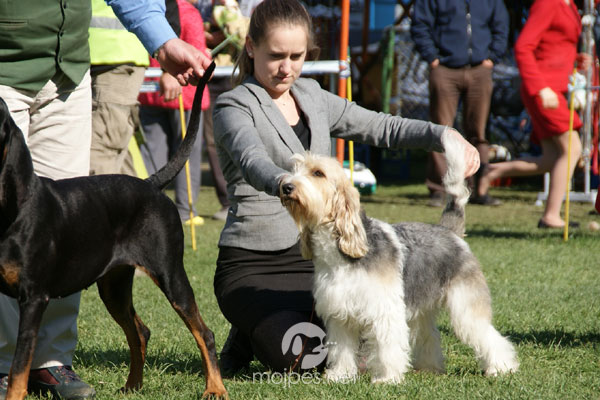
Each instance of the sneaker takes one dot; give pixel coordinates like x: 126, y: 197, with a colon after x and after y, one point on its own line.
x: 221, y: 215
x: 198, y: 221
x: 62, y: 382
x: 485, y: 200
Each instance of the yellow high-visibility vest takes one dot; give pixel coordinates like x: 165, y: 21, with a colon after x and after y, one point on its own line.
x: 110, y: 43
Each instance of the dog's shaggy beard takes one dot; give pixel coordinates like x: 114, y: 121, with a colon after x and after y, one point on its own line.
x: 308, y: 209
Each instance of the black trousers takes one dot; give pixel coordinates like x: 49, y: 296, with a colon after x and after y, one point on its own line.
x: 267, y: 297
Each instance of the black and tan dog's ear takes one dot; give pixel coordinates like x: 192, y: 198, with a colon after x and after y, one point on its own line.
x: 352, y: 238
x: 5, y: 119
x: 7, y: 125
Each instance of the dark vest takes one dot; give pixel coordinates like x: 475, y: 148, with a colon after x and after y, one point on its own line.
x: 40, y: 37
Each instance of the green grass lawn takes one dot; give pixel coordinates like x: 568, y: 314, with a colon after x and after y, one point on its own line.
x: 546, y: 297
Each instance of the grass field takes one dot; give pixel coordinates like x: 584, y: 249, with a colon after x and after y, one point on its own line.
x: 546, y: 298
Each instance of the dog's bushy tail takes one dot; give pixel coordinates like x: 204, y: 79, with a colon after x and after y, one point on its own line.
x: 162, y: 177
x: 455, y: 185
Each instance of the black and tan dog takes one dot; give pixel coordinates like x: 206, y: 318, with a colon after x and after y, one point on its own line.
x: 59, y: 237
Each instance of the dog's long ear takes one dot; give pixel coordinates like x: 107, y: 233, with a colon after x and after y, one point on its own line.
x: 6, y: 123
x: 352, y: 238
x: 305, y: 246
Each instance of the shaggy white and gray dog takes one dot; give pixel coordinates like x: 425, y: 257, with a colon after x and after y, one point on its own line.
x: 378, y: 287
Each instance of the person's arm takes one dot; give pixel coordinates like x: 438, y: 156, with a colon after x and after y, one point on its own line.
x: 421, y: 30
x: 350, y: 121
x: 499, y: 26
x: 596, y: 31
x: 235, y: 132
x: 146, y: 19
x: 541, y: 15
x: 169, y: 88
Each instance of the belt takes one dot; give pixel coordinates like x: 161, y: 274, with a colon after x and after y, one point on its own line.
x: 472, y: 65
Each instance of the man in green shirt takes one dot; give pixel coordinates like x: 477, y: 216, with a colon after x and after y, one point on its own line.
x: 45, y: 80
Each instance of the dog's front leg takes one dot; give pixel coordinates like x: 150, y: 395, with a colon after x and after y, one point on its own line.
x: 30, y: 317
x: 389, y: 341
x: 342, y: 344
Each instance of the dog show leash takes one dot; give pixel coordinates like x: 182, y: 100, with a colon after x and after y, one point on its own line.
x: 297, y: 360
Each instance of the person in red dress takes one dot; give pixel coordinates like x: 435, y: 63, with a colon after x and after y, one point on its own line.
x: 546, y: 52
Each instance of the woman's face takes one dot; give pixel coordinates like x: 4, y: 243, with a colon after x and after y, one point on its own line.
x: 279, y: 57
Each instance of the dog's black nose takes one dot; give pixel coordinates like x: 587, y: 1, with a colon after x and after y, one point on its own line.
x: 287, y: 188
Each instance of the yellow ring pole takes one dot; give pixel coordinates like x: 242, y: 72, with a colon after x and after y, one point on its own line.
x: 187, y: 176
x: 571, y: 117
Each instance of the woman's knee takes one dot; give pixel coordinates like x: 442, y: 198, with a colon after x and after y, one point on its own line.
x: 289, y: 341
x: 576, y: 146
x: 565, y: 142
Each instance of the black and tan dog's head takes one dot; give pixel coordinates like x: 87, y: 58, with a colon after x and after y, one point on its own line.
x: 9, y: 131
x: 15, y: 160
x: 317, y: 193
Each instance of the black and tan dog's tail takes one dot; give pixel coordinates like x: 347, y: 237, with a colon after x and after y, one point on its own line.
x: 162, y: 177
x: 455, y: 185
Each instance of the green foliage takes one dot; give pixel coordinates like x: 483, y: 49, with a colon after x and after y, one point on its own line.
x: 546, y: 297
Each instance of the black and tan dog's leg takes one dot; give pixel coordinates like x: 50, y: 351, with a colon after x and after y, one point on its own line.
x: 205, y: 340
x: 31, y: 313
x: 115, y: 290
x: 181, y: 296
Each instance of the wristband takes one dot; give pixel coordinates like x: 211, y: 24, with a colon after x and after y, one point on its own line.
x: 155, y: 54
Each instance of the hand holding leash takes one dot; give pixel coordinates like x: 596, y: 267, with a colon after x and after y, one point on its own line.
x: 182, y: 60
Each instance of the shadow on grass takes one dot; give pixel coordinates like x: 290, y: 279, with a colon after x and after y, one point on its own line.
x: 544, y: 337
x: 167, y: 362
x: 555, y: 338
x: 491, y: 233
x: 506, y: 196
x: 404, y: 199
x: 172, y: 363
x: 531, y: 234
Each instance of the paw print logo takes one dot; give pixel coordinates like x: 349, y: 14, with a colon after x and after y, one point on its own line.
x: 307, y: 337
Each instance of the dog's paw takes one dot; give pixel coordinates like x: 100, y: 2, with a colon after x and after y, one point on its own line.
x: 433, y: 366
x: 507, y: 367
x: 340, y: 375
x: 388, y: 379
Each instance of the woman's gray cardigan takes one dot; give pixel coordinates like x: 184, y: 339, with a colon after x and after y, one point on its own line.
x: 255, y: 143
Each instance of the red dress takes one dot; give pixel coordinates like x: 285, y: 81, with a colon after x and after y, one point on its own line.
x: 545, y: 53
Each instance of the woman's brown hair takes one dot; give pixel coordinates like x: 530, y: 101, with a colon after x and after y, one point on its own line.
x: 272, y: 13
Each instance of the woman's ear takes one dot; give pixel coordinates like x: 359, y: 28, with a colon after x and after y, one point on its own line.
x: 249, y: 47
